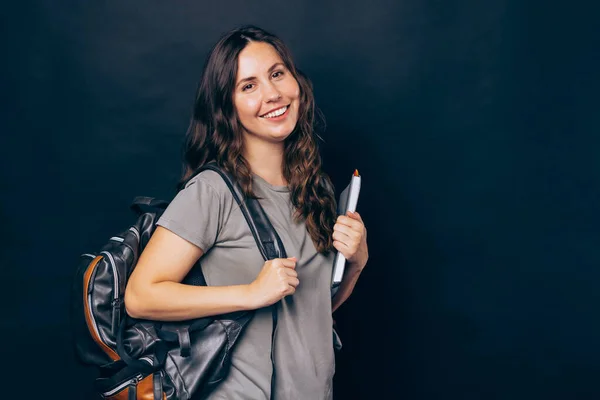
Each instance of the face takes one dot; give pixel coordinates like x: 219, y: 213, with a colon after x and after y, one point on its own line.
x: 266, y: 94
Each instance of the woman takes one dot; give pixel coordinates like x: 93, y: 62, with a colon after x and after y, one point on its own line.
x: 254, y: 115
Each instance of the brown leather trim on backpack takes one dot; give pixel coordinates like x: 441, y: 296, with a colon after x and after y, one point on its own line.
x: 145, y: 390
x: 122, y: 395
x: 88, y: 318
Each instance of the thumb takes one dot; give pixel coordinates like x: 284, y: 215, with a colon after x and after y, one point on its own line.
x: 354, y: 215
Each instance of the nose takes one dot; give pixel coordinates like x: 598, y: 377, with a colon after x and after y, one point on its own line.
x: 272, y: 93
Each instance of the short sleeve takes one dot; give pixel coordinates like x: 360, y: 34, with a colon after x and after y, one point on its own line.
x: 194, y: 214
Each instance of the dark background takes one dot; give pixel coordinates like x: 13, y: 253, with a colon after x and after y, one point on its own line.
x: 473, y: 123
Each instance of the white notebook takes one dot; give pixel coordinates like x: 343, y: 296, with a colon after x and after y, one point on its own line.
x: 347, y: 202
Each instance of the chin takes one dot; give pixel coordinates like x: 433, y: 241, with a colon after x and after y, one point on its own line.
x: 279, y: 137
x: 285, y: 134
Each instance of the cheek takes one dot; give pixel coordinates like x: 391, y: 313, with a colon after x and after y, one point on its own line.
x: 247, y: 107
x: 296, y: 90
x: 291, y: 89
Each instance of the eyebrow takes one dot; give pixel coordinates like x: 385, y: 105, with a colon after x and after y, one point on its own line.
x: 251, y: 78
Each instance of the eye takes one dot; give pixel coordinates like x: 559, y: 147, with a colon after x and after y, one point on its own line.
x: 248, y: 87
x: 277, y: 74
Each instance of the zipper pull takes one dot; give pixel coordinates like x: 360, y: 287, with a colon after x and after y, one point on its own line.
x: 116, y: 316
x: 132, y: 392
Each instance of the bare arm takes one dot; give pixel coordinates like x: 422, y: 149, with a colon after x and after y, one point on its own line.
x: 154, y: 290
x: 346, y: 286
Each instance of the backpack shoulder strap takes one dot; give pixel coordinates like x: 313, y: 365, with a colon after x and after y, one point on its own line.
x: 142, y: 204
x: 266, y: 237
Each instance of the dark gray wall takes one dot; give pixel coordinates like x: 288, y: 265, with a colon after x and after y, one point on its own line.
x: 475, y: 128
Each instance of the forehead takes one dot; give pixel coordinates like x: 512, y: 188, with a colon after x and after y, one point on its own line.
x: 256, y: 58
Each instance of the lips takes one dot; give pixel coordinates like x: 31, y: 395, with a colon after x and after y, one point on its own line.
x: 275, y: 112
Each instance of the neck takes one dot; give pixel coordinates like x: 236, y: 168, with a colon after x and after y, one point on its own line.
x: 266, y: 160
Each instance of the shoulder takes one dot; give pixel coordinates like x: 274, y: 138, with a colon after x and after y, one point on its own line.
x: 208, y: 181
x: 203, y: 191
x: 198, y: 211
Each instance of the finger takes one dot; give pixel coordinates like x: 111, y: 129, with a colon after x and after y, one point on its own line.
x: 341, y: 245
x: 342, y: 248
x: 353, y: 233
x: 347, y: 248
x: 345, y: 220
x: 290, y: 289
x: 352, y: 223
x: 290, y: 272
x: 354, y: 215
x: 294, y: 282
x: 288, y: 263
x: 341, y: 237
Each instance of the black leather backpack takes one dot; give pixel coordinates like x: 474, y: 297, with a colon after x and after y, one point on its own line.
x: 149, y: 360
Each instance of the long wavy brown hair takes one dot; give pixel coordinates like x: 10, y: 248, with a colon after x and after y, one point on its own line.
x: 215, y: 133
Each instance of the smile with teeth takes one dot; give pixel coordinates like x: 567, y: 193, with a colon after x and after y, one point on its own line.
x: 275, y: 113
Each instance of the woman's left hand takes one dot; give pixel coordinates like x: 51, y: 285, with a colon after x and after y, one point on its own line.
x: 350, y: 239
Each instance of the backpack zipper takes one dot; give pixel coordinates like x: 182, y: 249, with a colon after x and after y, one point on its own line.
x: 116, y: 304
x: 136, y: 379
x: 111, y: 261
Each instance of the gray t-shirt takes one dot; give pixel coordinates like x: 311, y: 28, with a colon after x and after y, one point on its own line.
x: 206, y: 214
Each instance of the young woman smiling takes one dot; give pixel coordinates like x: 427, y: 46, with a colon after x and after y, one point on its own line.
x: 254, y: 115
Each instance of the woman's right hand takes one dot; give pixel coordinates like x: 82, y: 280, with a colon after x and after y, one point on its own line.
x: 277, y: 279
